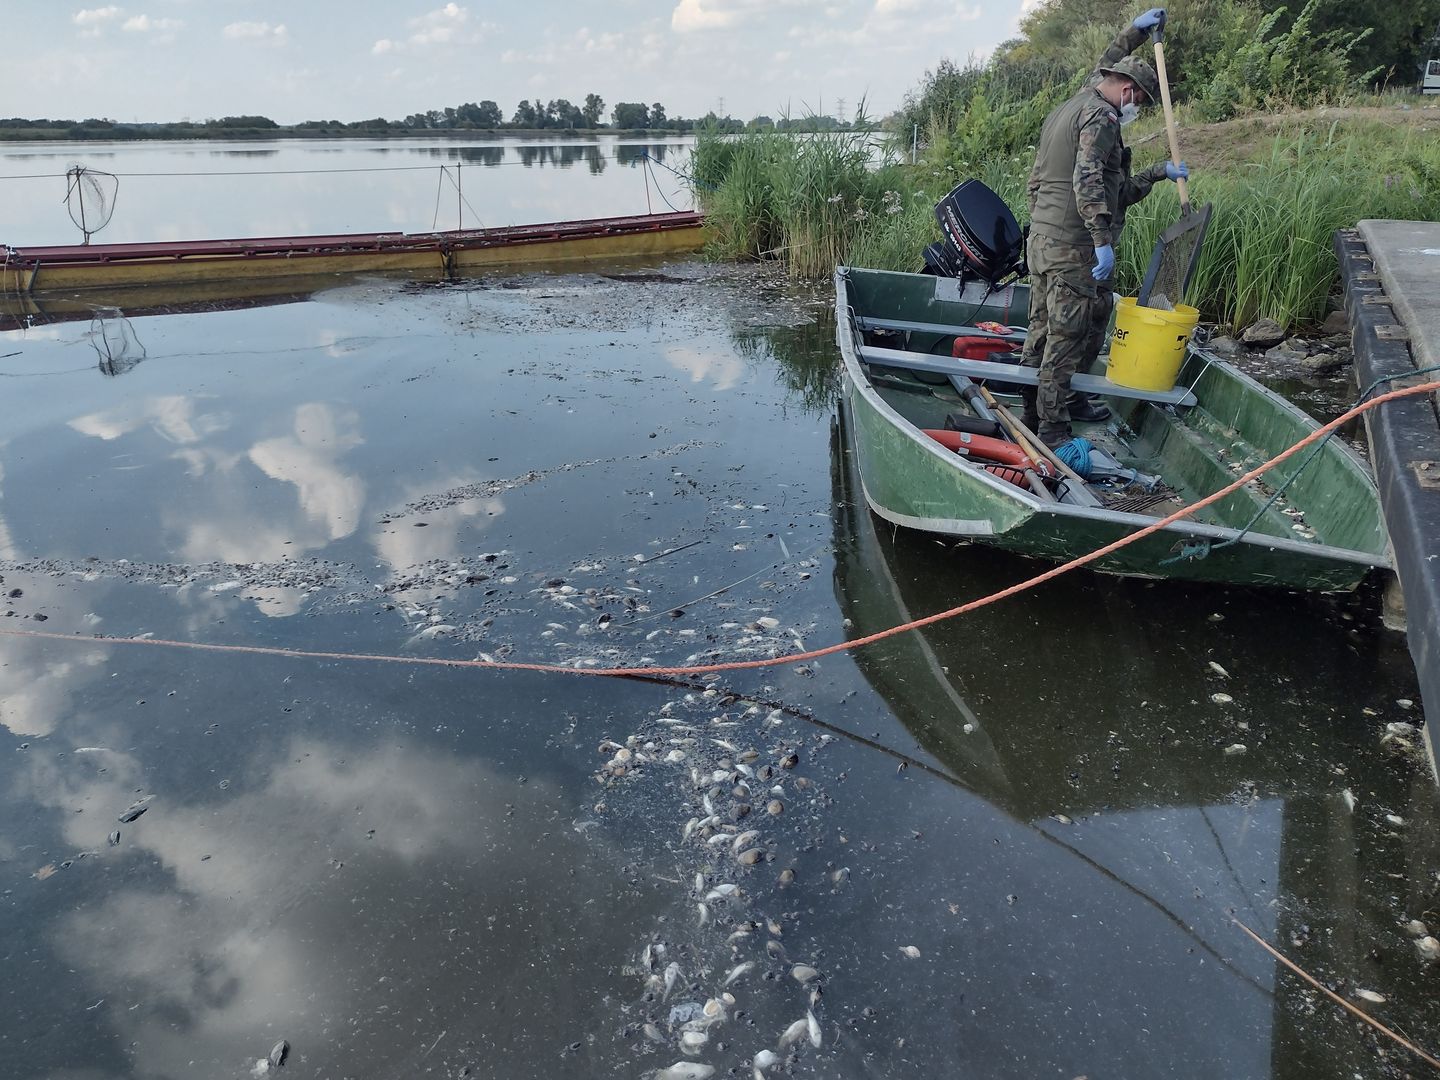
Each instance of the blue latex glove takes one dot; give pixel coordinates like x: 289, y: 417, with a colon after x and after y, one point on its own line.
x: 1177, y: 172
x: 1151, y: 19
x: 1104, y: 263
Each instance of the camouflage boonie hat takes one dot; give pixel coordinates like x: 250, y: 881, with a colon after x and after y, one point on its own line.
x: 1138, y: 72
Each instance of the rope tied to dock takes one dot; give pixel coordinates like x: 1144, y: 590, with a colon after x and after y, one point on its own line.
x: 1318, y: 435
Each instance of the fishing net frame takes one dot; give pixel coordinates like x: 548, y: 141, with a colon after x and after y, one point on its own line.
x: 85, y: 189
x: 1176, y: 254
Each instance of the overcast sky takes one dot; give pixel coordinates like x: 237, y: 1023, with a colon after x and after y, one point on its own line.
x: 296, y: 60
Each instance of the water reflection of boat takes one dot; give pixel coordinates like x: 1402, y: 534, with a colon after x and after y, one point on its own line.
x: 1107, y: 746
x: 1324, y: 532
x: 30, y: 270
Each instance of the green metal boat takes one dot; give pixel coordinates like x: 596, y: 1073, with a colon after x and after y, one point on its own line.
x: 1323, y: 531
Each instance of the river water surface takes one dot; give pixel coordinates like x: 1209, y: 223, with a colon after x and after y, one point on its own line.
x: 1013, y: 845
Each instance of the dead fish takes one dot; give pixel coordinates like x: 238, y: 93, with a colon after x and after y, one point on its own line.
x: 748, y: 756
x: 744, y: 770
x: 1062, y: 819
x: 135, y: 810
x: 1235, y: 748
x: 278, y: 1053
x: 740, y: 810
x: 1416, y: 928
x: 684, y: 1070
x: 609, y: 746
x: 787, y: 877
x: 739, y: 971
x: 839, y: 877
x: 813, y: 1026
x: 1219, y: 670
x: 1221, y: 699
x: 745, y: 838
x: 692, y: 1042
x: 1349, y: 798
x: 775, y: 950
x: 1395, y: 819
x: 719, y: 838
x: 115, y: 838
x: 794, y: 1033
x: 762, y: 1061
x: 709, y: 806
x: 804, y: 973
x: 647, y: 958
x: 699, y: 881
x: 721, y: 893
x: 911, y: 951
x: 1371, y: 996
x: 675, y: 757
x: 653, y: 1033
x: 775, y: 808
x: 802, y: 782
x: 739, y: 935
x: 690, y: 827
x: 1428, y: 947
x: 774, y: 927
x: 750, y: 857
x: 789, y: 761
x: 702, y: 911
x: 672, y: 972
x: 715, y: 1009
x: 723, y: 744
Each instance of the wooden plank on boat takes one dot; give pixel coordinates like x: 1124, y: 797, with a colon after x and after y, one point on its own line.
x: 943, y: 329
x: 1014, y: 373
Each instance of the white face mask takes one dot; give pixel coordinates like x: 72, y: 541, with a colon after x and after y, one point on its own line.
x: 1129, y: 112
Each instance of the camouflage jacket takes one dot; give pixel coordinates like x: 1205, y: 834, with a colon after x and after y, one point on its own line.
x: 1081, y: 184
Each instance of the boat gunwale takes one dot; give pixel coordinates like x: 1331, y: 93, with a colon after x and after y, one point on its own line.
x: 845, y: 329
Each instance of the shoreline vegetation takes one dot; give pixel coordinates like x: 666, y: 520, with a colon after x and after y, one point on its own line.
x: 1288, y: 129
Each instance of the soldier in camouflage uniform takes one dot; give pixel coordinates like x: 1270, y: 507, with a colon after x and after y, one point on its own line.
x: 1079, y: 190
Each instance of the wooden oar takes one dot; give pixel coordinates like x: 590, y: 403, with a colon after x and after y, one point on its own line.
x: 1033, y: 446
x: 1181, y: 184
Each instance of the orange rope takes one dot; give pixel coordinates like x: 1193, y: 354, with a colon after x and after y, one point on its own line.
x: 792, y: 658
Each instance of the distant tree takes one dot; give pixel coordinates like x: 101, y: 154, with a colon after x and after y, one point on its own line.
x: 488, y: 115
x: 759, y: 122
x: 628, y: 114
x: 524, y: 116
x: 450, y: 117
x: 243, y: 122
x: 657, y: 115
x: 594, y: 109
x: 435, y: 118
x: 562, y: 114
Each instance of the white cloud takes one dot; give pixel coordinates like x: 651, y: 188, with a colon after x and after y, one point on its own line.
x: 92, y: 21
x: 895, y: 7
x: 446, y: 26
x: 257, y: 31
x: 691, y: 15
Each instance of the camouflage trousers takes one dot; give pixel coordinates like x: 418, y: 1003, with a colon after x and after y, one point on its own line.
x: 1069, y: 311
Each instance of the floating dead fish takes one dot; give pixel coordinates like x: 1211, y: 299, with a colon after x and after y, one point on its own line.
x: 774, y: 808
x: 748, y: 756
x: 762, y: 1061
x: 775, y: 950
x: 1219, y: 670
x: 765, y: 622
x: 787, y: 877
x: 813, y: 1026
x: 1395, y: 819
x: 910, y: 951
x: 1349, y: 799
x: 653, y: 1033
x: 775, y: 719
x: 1397, y: 728
x: 702, y: 912
x: 839, y: 877
x: 774, y: 927
x: 1428, y: 947
x: 739, y: 810
x: 675, y: 757
x: 278, y: 1053
x: 1222, y: 699
x: 1371, y: 996
x: 692, y: 1042
x: 789, y: 761
x: 609, y: 746
x: 794, y: 1033
x: 718, y: 894
x: 690, y: 827
x: 744, y: 770
x: 647, y: 958
x: 115, y: 838
x: 745, y: 838
x: 1235, y: 748
x: 1416, y: 928
x: 739, y: 971
x: 672, y: 972
x: 718, y: 839
x: 709, y: 806
x: 715, y: 1009
x: 1062, y: 819
x: 726, y: 745
x: 739, y: 935
x: 684, y: 1070
x: 804, y: 973
x: 135, y: 810
x: 750, y: 857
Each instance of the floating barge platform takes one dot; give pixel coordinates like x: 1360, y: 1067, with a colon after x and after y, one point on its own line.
x: 29, y: 271
x: 1391, y: 271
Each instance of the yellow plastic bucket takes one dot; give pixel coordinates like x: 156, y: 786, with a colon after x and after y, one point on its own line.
x: 1149, y: 344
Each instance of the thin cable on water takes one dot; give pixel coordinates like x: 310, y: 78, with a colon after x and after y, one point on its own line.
x: 792, y: 658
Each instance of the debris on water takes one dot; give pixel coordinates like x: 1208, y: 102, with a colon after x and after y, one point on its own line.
x: 279, y: 1053
x: 684, y: 1014
x: 1235, y: 748
x: 685, y: 1070
x: 46, y: 871
x: 135, y: 810
x: 1371, y: 996
x: 1218, y: 670
x: 1221, y: 699
x: 910, y: 951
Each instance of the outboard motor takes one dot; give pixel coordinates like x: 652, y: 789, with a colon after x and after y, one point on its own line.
x: 983, y: 241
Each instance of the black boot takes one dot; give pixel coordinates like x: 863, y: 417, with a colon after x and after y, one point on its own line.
x: 1087, y: 409
x: 1030, y: 413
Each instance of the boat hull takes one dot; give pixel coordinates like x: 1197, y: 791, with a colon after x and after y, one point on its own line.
x: 910, y: 480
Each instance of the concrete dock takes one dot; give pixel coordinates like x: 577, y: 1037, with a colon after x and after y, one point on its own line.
x: 1391, y: 274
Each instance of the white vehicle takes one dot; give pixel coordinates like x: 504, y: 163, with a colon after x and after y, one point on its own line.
x: 1431, y: 83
